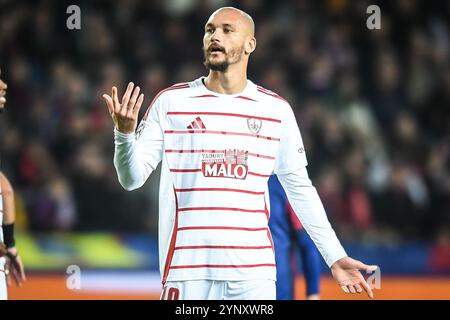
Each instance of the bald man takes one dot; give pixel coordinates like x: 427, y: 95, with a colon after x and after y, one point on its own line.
x: 219, y: 139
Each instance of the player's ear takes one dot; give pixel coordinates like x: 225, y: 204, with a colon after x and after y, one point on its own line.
x: 250, y: 45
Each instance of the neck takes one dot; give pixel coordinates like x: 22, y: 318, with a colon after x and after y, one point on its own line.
x: 227, y: 82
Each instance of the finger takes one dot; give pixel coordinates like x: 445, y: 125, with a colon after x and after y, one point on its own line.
x: 352, y: 289
x: 345, y: 289
x: 109, y: 103
x: 371, y: 268
x: 8, y: 275
x: 2, y: 100
x: 133, y: 99
x: 362, y: 266
x: 116, y: 100
x: 138, y: 105
x: 367, y: 288
x: 358, y: 288
x: 21, y: 269
x: 126, y: 97
x: 17, y: 277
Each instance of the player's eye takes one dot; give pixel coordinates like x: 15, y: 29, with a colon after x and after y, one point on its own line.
x: 227, y: 30
x: 209, y: 30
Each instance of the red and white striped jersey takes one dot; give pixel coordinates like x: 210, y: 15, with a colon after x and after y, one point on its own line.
x: 217, y: 153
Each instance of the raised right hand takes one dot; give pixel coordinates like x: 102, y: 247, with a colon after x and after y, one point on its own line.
x: 125, y: 113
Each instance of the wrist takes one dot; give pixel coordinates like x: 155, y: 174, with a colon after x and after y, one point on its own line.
x: 337, y: 263
x: 121, y: 137
x: 13, y: 251
x: 8, y: 235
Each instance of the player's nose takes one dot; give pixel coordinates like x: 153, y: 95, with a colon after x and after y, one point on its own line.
x: 216, y: 36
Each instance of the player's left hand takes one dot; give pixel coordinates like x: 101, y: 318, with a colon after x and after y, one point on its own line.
x: 14, y: 267
x: 346, y: 272
x: 2, y: 249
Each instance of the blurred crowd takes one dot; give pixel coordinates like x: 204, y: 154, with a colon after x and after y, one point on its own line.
x: 373, y: 105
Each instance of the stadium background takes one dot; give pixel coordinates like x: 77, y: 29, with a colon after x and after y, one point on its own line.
x: 373, y: 107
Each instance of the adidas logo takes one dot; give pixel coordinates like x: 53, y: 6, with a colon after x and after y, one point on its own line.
x: 197, y: 124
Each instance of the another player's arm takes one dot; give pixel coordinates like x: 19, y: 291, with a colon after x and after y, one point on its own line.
x: 304, y: 199
x: 134, y: 159
x: 14, y: 265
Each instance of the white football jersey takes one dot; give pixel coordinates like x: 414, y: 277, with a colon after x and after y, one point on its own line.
x: 3, y: 287
x: 1, y: 214
x: 218, y: 152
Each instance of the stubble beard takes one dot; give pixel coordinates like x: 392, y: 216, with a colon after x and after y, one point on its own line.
x: 234, y: 56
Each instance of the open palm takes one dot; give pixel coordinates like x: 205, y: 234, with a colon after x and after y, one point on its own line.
x: 347, y: 274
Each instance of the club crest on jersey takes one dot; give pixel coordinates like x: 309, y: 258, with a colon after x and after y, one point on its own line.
x: 254, y: 125
x: 225, y: 164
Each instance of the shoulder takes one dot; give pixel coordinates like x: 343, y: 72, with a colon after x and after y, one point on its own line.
x: 173, y: 90
x: 165, y: 95
x: 274, y: 99
x: 270, y: 95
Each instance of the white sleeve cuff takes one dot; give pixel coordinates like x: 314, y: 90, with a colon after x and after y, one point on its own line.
x: 120, y: 137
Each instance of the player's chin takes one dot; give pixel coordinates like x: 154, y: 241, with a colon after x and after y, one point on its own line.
x: 216, y: 58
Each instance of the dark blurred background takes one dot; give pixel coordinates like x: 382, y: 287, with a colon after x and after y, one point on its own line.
x: 373, y: 107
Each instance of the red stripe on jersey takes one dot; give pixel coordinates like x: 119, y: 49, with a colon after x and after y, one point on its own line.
x: 174, y: 87
x: 220, y: 228
x: 220, y: 209
x: 245, y: 98
x: 270, y: 93
x: 220, y: 189
x: 200, y: 122
x: 172, y: 242
x: 223, y: 266
x: 200, y: 170
x: 225, y: 114
x: 205, y: 96
x: 202, y: 150
x: 223, y: 247
x: 258, y: 174
x: 185, y: 170
x: 221, y: 132
x: 261, y: 156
